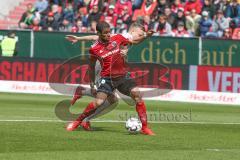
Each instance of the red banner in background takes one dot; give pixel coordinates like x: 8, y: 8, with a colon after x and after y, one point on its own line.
x: 39, y: 70
x: 181, y: 77
x: 217, y: 79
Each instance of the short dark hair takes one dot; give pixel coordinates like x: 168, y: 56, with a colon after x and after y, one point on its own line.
x: 11, y: 34
x: 101, y: 25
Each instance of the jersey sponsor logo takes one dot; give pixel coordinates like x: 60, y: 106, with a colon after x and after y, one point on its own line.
x: 112, y: 46
x: 110, y: 53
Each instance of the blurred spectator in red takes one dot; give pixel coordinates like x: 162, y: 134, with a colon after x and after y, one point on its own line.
x: 41, y: 5
x: 227, y: 34
x: 78, y: 27
x: 148, y: 7
x: 192, y: 22
x: 170, y: 15
x: 95, y: 15
x: 125, y: 17
x: 35, y: 25
x: 110, y: 16
x: 236, y: 34
x: 176, y: 6
x: 102, y: 4
x: 162, y: 27
x: 23, y: 23
x: 180, y: 30
x: 120, y: 4
x: 193, y: 4
x: 179, y: 18
x: 74, y: 29
x: 93, y: 3
x: 209, y: 7
x: 49, y: 23
x: 161, y: 5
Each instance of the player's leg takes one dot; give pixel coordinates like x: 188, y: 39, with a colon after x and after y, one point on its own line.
x: 109, y: 104
x: 129, y: 88
x: 79, y: 92
x: 106, y: 107
x: 103, y: 91
x: 98, y: 101
x: 104, y: 85
x: 141, y: 110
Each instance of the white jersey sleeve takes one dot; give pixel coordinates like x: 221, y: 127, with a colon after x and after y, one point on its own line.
x: 127, y: 36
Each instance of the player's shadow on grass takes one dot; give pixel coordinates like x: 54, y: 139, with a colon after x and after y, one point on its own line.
x: 106, y: 129
x: 130, y: 134
x: 93, y: 129
x: 102, y: 129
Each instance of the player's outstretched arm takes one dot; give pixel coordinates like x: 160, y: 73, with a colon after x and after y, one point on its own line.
x: 138, y: 39
x: 75, y: 39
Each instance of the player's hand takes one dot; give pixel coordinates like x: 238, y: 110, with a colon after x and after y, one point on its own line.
x: 150, y: 33
x: 93, y: 92
x: 72, y: 38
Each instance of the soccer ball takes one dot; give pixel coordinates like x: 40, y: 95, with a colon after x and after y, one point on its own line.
x: 133, y: 125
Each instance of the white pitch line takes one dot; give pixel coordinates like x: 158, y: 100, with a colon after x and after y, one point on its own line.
x: 215, y: 150
x: 222, y: 149
x: 30, y: 120
x: 116, y: 121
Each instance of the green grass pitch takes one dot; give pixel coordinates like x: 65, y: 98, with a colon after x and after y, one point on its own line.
x: 29, y: 130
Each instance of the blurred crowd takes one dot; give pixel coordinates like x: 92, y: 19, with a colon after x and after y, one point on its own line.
x: 178, y: 18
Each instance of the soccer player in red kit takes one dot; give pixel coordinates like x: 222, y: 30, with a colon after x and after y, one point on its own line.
x: 113, y: 75
x: 135, y: 32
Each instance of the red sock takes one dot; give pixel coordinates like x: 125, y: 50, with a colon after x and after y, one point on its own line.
x: 87, y: 112
x: 89, y: 107
x: 141, y: 110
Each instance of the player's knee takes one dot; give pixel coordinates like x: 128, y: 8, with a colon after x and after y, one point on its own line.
x: 98, y: 102
x: 138, y: 99
x: 112, y: 99
x: 136, y: 95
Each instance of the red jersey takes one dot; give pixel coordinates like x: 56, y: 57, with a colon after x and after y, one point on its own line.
x: 109, y: 55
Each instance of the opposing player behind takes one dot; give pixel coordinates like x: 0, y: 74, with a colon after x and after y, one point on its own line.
x: 113, y: 75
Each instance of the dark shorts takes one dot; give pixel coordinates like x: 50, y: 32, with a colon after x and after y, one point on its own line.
x: 123, y: 84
